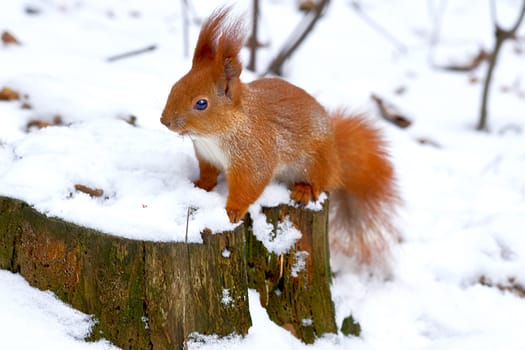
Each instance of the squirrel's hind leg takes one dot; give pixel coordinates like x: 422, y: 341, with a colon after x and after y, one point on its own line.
x: 323, y: 174
x: 303, y: 192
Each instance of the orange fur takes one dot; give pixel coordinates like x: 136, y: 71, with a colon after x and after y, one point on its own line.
x: 270, y: 129
x: 364, y: 205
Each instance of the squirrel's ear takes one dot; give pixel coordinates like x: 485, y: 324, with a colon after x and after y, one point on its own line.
x: 228, y: 47
x: 231, y: 71
x: 232, y: 68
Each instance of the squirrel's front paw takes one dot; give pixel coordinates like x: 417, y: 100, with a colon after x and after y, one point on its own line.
x: 235, y: 215
x: 206, y: 185
x: 303, y: 193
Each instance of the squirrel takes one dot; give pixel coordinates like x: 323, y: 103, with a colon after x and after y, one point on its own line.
x: 270, y: 129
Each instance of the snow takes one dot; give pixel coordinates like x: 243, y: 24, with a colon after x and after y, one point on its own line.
x: 464, y: 193
x: 32, y: 319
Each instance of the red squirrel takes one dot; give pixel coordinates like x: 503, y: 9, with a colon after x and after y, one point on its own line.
x: 269, y: 129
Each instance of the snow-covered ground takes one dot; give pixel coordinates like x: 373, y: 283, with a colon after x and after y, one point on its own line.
x: 463, y: 221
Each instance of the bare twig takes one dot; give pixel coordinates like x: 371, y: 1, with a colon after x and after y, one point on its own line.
x: 428, y: 142
x: 93, y: 192
x: 253, y: 43
x: 378, y: 28
x: 184, y: 322
x: 470, y: 65
x: 390, y: 114
x: 501, y: 36
x: 437, y: 19
x: 131, y: 53
x: 436, y: 12
x: 185, y: 27
x: 189, y: 213
x: 304, y: 28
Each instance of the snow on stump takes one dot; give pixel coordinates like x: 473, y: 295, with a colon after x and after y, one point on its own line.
x: 154, y: 295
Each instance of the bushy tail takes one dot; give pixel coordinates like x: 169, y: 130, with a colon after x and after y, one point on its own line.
x: 363, y: 208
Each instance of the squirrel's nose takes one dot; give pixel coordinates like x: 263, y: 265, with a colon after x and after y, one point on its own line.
x: 165, y: 121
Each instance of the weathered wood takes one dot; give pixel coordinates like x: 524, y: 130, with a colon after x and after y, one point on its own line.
x: 153, y: 295
x: 295, y: 287
x: 197, y: 288
x: 95, y: 273
x: 134, y: 288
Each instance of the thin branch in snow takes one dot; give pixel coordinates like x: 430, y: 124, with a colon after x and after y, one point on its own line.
x: 298, y: 36
x: 389, y: 113
x: 379, y: 28
x: 132, y: 53
x: 501, y: 36
x: 93, y: 192
x: 472, y: 64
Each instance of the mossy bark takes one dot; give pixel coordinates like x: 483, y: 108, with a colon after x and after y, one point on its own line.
x: 295, y: 287
x: 197, y: 288
x: 135, y: 289
x: 153, y: 295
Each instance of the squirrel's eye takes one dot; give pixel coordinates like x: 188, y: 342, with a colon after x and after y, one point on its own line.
x: 201, y: 104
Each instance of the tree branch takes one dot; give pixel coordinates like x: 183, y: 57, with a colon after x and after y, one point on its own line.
x: 378, y: 27
x: 131, y: 53
x: 253, y: 43
x: 501, y: 35
x: 311, y: 18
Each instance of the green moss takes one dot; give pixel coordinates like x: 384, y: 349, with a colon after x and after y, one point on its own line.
x: 98, y: 274
x: 125, y: 282
x: 351, y: 327
x: 300, y: 302
x: 9, y: 224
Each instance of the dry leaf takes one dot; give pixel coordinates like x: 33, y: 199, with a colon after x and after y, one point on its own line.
x: 6, y: 94
x: 8, y: 38
x: 512, y: 286
x: 38, y: 123
x: 307, y: 5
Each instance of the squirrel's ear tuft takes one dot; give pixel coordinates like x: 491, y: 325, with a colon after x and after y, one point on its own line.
x: 220, y: 40
x: 206, y: 48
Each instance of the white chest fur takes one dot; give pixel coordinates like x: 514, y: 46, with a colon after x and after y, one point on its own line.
x: 210, y: 149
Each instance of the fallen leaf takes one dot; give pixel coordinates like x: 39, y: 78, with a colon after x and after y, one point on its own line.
x: 38, y: 123
x: 511, y: 285
x: 8, y: 38
x: 7, y: 94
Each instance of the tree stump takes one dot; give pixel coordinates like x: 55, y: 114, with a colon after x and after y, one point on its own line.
x: 153, y: 295
x: 295, y: 287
